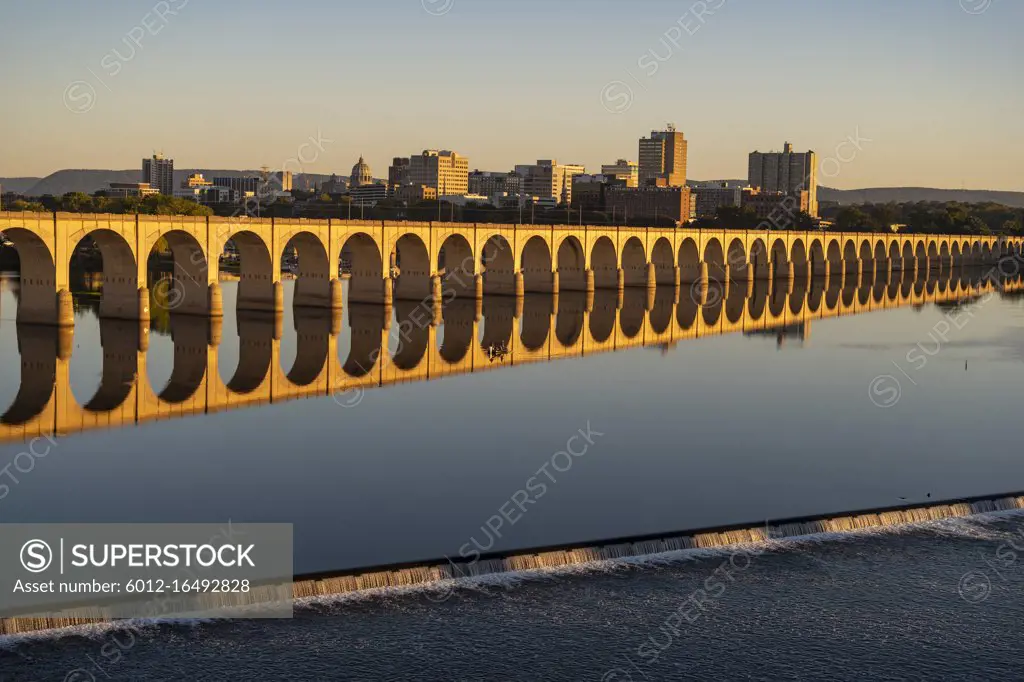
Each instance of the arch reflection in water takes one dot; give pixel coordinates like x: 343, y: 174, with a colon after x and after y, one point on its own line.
x: 374, y: 345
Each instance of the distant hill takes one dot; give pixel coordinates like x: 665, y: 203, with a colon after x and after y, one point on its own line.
x: 902, y: 195
x: 19, y: 185
x: 89, y: 181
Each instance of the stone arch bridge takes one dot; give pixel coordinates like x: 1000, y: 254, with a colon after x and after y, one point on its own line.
x: 384, y: 261
x: 420, y: 341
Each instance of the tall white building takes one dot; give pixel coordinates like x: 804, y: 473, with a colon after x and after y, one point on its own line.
x: 159, y: 173
x: 443, y: 170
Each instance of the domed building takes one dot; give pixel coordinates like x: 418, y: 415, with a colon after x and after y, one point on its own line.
x: 361, y: 174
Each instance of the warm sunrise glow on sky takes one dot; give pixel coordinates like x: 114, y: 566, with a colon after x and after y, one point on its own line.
x: 931, y: 88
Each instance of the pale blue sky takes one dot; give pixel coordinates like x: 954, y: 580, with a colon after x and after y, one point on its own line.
x: 232, y: 84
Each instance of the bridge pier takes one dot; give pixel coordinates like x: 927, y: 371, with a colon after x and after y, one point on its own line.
x: 435, y: 287
x: 589, y: 281
x: 143, y: 305
x: 478, y: 286
x: 555, y: 283
x: 620, y: 280
x: 337, y: 296
x: 65, y: 311
x: 652, y: 276
x: 520, y: 285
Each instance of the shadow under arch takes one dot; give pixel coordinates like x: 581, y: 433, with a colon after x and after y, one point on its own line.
x: 312, y: 345
x: 633, y: 313
x: 366, y: 325
x: 498, y: 266
x: 361, y: 264
x: 798, y: 295
x: 456, y: 332
x: 634, y: 263
x: 409, y: 334
x: 663, y: 259
x: 570, y: 318
x: 255, y: 351
x: 603, y: 314
x: 119, y: 340
x: 660, y: 317
x: 758, y: 301
x: 498, y: 322
x: 191, y: 338
x: 815, y: 292
x: 411, y: 261
x: 119, y: 295
x: 535, y: 261
x: 688, y: 259
x: 735, y: 303
x: 313, y: 278
x: 604, y: 263
x: 37, y: 300
x: 255, y: 271
x: 571, y: 265
x: 457, y: 265
x: 38, y: 347
x: 535, y: 322
x: 178, y: 278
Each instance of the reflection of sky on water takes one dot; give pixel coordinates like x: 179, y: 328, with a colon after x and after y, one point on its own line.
x: 713, y: 431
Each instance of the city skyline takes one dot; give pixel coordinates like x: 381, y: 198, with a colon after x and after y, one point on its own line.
x: 97, y: 93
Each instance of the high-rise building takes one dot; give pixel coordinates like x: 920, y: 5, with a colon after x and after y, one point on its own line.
x: 786, y: 172
x: 548, y: 179
x: 623, y: 170
x: 398, y: 173
x: 663, y: 158
x: 158, y: 172
x: 444, y: 170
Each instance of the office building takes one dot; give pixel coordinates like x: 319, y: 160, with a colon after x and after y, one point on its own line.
x: 158, y: 173
x: 398, y: 173
x: 787, y: 171
x: 623, y: 170
x: 489, y: 183
x: 663, y: 158
x: 589, y: 192
x: 123, y: 190
x: 548, y: 179
x: 777, y: 206
x: 648, y: 203
x: 709, y: 197
x: 444, y: 170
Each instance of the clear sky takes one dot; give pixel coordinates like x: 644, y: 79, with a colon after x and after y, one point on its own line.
x: 935, y: 85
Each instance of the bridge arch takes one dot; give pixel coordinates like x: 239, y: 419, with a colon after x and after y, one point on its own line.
x: 780, y: 254
x: 178, y: 277
x: 850, y: 252
x: 604, y: 263
x: 714, y: 257
x: 759, y: 259
x: 688, y: 260
x: 498, y: 262
x: 572, y: 264
x: 362, y: 266
x: 817, y: 255
x: 120, y: 294
x: 313, y: 275
x: 409, y: 339
x: 256, y: 276
x: 457, y: 264
x: 736, y: 258
x: 798, y: 255
x: 663, y: 258
x: 536, y: 265
x: 410, y: 261
x: 634, y: 263
x: 37, y: 302
x: 834, y: 256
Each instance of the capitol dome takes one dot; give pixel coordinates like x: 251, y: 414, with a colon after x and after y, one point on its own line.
x: 361, y: 174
